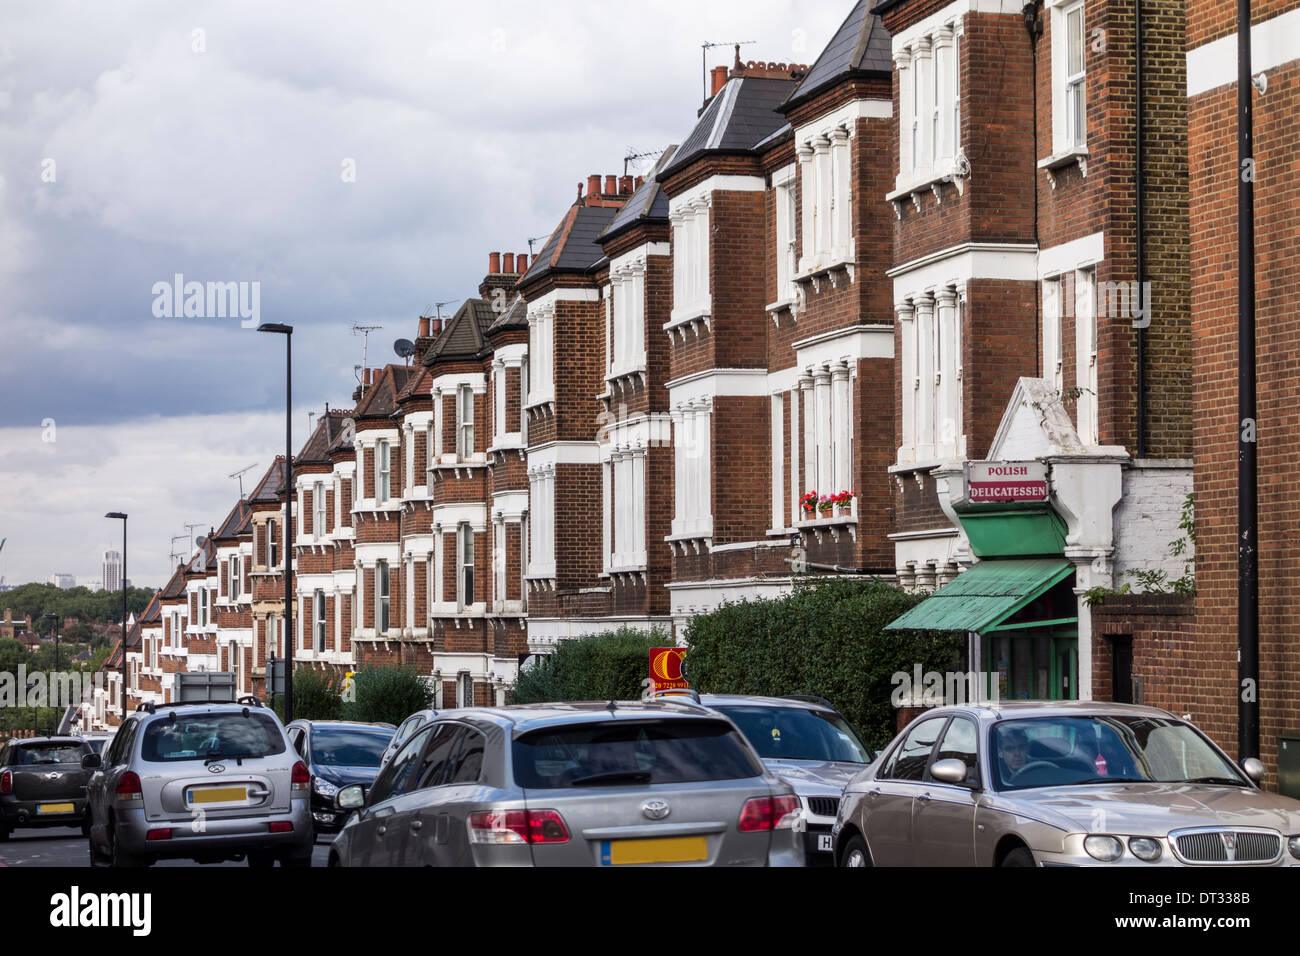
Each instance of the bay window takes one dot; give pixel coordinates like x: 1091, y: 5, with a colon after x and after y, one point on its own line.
x: 625, y: 314
x: 541, y: 516
x: 826, y: 170
x: 692, y: 443
x: 541, y: 354
x: 690, y: 225
x: 929, y: 102
x: 931, y: 371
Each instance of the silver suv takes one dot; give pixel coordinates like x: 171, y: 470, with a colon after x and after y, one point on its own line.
x: 588, y: 784
x: 207, y: 782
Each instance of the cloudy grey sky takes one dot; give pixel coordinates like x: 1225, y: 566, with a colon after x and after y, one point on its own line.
x: 139, y: 140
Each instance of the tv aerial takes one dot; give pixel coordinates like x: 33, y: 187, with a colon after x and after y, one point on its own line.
x: 240, y: 475
x: 364, y: 331
x: 704, y: 54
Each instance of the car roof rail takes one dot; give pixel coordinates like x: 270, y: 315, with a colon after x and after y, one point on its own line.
x: 250, y: 700
x: 809, y: 699
x: 145, y: 705
x: 669, y: 692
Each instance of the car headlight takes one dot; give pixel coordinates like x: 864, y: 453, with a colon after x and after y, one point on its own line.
x: 1108, y: 849
x: 1145, y: 848
x: 325, y: 788
x: 1293, y: 844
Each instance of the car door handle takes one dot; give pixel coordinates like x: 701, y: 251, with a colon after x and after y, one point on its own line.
x: 923, y: 797
x: 381, y: 830
x: 417, y: 824
x: 258, y: 793
x: 873, y: 793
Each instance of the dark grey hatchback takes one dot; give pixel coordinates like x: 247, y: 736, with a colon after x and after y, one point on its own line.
x: 42, y: 783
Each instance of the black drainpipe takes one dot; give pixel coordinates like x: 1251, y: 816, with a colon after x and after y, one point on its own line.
x: 1141, y: 235
x: 1034, y: 27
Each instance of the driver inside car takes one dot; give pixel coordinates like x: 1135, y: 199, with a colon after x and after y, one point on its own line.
x: 1013, y: 752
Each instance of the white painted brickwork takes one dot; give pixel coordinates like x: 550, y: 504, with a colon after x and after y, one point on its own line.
x: 1146, y: 519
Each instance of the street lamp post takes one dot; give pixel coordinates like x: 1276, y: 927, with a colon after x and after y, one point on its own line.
x: 287, y: 332
x: 122, y: 516
x: 57, y: 620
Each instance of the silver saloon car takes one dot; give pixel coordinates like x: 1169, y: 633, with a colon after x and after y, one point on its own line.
x: 587, y: 784
x: 1070, y: 783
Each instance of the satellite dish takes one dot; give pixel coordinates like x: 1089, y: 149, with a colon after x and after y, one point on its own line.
x: 404, y: 348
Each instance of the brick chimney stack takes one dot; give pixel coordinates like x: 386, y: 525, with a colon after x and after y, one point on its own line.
x: 593, y: 186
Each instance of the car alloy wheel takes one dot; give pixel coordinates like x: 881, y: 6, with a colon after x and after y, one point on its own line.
x: 855, y: 854
x: 118, y: 856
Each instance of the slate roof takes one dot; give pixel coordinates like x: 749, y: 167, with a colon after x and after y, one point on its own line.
x: 574, y: 245
x: 744, y: 113
x: 648, y: 202
x: 175, y: 586
x: 463, y: 335
x: 272, y: 484
x: 381, y: 400
x: 327, y: 428
x: 413, y: 385
x: 860, y: 45
x: 236, y: 522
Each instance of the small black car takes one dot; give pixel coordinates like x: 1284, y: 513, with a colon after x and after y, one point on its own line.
x: 338, y: 753
x: 42, y: 783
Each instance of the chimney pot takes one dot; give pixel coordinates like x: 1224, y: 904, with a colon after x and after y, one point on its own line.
x: 508, y: 263
x: 494, y: 262
x: 611, y: 185
x: 638, y: 181
x: 625, y: 185
x: 521, y: 262
x: 593, y: 186
x: 719, y: 79
x: 424, y: 326
x: 365, y: 378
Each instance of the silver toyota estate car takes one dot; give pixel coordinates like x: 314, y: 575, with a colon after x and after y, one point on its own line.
x: 1067, y: 783
x: 587, y: 784
x: 207, y: 782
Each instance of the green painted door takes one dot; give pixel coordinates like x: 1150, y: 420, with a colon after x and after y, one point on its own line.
x: 1032, y: 665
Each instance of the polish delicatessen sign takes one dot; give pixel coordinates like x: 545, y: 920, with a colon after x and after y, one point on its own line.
x: 1003, y: 482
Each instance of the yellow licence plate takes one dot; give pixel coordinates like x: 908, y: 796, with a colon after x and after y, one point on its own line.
x: 218, y: 794
x: 55, y: 808
x: 692, y: 849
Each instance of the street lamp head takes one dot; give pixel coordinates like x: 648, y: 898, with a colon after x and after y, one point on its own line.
x: 275, y: 327
x: 115, y: 514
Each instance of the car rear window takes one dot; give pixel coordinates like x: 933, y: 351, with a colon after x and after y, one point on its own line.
x: 349, y: 746
x: 212, y: 735
x: 34, y: 754
x: 631, y: 752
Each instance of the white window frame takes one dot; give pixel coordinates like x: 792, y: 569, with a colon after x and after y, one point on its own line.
x: 1069, y: 88
x: 318, y: 613
x: 1086, y: 373
x: 383, y: 471
x: 1053, y: 357
x: 464, y: 422
x: 319, y: 510
x: 383, y: 597
x: 464, y: 566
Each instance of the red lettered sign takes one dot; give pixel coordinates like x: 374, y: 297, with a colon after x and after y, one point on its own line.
x: 666, y: 668
x: 989, y: 482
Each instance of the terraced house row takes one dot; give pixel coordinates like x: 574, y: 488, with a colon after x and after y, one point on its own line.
x: 962, y: 235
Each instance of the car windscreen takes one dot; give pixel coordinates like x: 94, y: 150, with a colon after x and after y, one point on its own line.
x: 97, y: 745
x: 348, y: 746
x: 631, y: 752
x: 46, y: 753
x: 231, y: 735
x: 795, y: 733
x: 1099, y: 749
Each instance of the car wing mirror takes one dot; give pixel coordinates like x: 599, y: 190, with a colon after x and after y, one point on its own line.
x: 950, y: 770
x: 351, y: 797
x: 1254, y: 768
x: 91, y: 762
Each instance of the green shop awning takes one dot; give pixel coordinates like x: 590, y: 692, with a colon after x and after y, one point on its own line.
x: 984, y: 596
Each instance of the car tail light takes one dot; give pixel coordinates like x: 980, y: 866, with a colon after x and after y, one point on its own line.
x: 300, y: 778
x: 128, y: 787
x: 769, y: 813
x: 165, y: 833
x: 6, y: 782
x: 517, y: 826
x: 281, y: 826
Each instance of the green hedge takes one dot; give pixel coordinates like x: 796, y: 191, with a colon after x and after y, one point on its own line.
x: 316, y: 695
x: 610, y: 666
x: 387, y: 695
x: 826, y: 639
